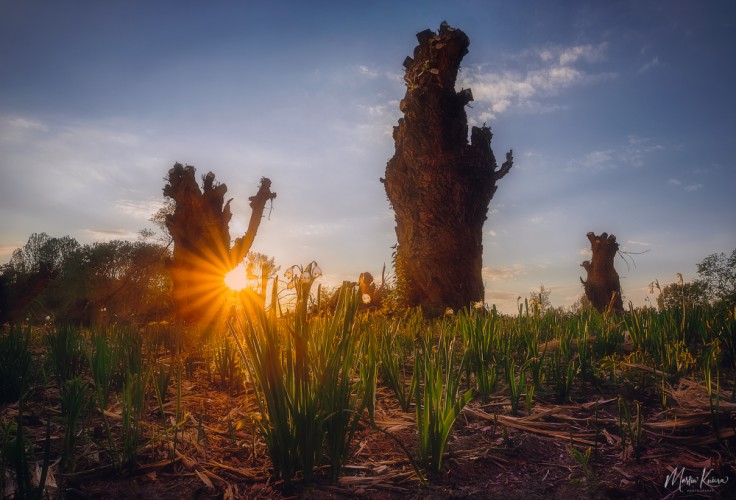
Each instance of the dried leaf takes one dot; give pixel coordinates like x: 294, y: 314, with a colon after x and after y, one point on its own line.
x: 205, y: 480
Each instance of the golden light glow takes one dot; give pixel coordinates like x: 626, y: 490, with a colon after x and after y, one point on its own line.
x: 236, y: 279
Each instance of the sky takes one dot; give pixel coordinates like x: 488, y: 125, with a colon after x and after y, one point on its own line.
x: 621, y: 115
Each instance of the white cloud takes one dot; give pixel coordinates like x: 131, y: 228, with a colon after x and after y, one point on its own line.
x: 365, y: 71
x: 502, y: 273
x: 560, y: 68
x: 633, y: 153
x: 637, y: 149
x: 15, y: 129
x: 110, y: 234
x: 588, y: 53
x: 594, y: 161
x: 585, y: 252
x: 689, y: 188
x: 138, y: 208
x: 641, y: 243
x: 707, y: 170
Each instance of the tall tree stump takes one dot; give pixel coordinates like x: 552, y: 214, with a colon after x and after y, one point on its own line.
x: 199, y: 228
x: 602, y: 286
x: 439, y: 185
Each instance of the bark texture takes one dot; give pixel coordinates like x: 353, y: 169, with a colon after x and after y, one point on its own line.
x: 199, y: 228
x: 439, y: 185
x: 602, y: 286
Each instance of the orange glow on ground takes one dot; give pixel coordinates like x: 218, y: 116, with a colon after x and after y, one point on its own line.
x: 236, y: 279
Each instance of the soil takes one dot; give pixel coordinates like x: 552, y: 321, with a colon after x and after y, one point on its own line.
x: 491, y: 452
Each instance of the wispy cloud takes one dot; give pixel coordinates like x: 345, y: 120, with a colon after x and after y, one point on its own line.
x: 707, y: 169
x: 593, y: 161
x: 637, y: 148
x: 139, y: 209
x: 546, y: 72
x: 367, y: 72
x: 502, y: 273
x: 688, y: 187
x: 635, y: 152
x: 15, y: 129
x: 110, y: 234
x: 585, y: 252
x: 654, y: 62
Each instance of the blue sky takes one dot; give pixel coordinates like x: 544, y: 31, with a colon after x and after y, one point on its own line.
x: 620, y: 114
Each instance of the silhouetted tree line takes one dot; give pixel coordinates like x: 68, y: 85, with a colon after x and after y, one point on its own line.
x: 57, y: 279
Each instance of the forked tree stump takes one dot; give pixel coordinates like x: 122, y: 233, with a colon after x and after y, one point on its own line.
x: 199, y: 228
x: 602, y: 286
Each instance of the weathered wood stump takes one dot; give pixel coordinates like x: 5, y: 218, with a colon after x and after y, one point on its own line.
x: 439, y: 185
x: 602, y: 286
x: 199, y: 228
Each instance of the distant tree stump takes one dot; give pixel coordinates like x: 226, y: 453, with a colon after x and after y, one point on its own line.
x: 602, y: 286
x: 199, y: 228
x: 439, y: 185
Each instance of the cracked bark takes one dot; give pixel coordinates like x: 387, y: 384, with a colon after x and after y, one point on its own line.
x: 439, y: 185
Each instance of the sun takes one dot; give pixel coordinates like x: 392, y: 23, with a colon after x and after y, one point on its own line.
x: 236, y: 279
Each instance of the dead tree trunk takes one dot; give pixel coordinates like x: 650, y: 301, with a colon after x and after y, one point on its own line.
x: 438, y: 184
x: 199, y: 228
x: 603, y: 287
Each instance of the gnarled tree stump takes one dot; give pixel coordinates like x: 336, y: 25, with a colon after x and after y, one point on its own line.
x: 439, y: 185
x: 199, y: 228
x: 602, y: 286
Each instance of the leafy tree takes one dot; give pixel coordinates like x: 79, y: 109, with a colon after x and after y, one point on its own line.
x: 261, y: 268
x: 540, y: 299
x: 674, y: 295
x: 717, y: 276
x: 30, y: 271
x: 59, y: 278
x: 582, y: 304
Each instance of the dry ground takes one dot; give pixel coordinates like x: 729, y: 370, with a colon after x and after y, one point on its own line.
x: 491, y: 453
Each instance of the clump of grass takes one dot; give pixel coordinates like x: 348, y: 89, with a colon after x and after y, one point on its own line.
x: 65, y: 352
x: 629, y: 428
x: 304, y: 379
x: 480, y: 331
x: 74, y: 400
x: 393, y: 351
x: 17, y: 453
x: 581, y: 457
x: 15, y: 362
x: 438, y: 401
x: 102, y: 361
x: 133, y: 398
x: 225, y: 360
x: 515, y: 382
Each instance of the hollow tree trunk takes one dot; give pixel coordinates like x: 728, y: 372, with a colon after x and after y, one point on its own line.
x: 200, y: 231
x: 602, y: 286
x: 438, y: 184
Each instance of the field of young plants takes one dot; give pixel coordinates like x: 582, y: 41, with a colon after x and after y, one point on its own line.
x: 474, y: 404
